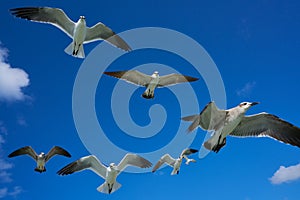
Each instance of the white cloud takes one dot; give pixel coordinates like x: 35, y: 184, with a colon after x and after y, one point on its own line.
x: 3, y: 192
x: 286, y: 174
x: 247, y: 89
x: 16, y: 191
x: 12, y: 80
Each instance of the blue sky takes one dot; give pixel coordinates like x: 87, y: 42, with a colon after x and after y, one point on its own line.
x: 255, y: 46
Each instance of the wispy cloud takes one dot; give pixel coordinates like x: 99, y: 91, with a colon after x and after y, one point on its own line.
x: 286, y: 174
x: 246, y: 90
x: 4, y: 192
x: 12, y: 80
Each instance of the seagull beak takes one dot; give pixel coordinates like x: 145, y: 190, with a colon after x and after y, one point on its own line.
x: 254, y: 103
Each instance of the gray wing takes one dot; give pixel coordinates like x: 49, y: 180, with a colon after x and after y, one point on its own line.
x: 56, y: 150
x: 267, y: 125
x: 54, y: 16
x: 164, y: 159
x: 173, y: 79
x: 133, y: 160
x: 210, y: 118
x: 88, y: 162
x: 188, y: 151
x: 131, y: 76
x: 23, y: 151
x: 102, y: 32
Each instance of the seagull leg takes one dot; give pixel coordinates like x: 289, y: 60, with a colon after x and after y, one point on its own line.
x: 219, y: 145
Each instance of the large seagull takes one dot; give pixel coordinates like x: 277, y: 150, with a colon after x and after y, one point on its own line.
x: 150, y: 82
x: 233, y: 122
x: 42, y: 158
x: 110, y: 173
x: 78, y: 31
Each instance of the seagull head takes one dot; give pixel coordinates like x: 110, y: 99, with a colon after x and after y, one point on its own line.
x: 247, y: 105
x: 155, y: 74
x: 81, y: 19
x: 42, y: 154
x: 112, y: 165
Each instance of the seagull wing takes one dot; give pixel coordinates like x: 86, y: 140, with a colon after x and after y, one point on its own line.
x: 133, y: 160
x: 267, y: 125
x: 164, y: 159
x: 210, y: 118
x: 188, y: 151
x: 131, y: 76
x: 102, y: 32
x: 54, y: 16
x: 56, y: 150
x: 88, y: 162
x: 173, y: 79
x: 23, y: 151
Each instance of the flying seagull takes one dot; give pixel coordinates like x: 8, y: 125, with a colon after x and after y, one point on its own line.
x: 110, y: 173
x: 175, y: 163
x: 42, y: 158
x: 150, y: 82
x: 78, y: 31
x: 233, y: 122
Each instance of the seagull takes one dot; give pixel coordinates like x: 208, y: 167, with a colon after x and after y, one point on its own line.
x: 42, y: 158
x: 175, y: 163
x: 109, y: 174
x: 233, y: 122
x: 78, y: 31
x: 150, y: 82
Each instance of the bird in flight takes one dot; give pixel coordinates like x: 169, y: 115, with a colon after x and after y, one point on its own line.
x: 109, y: 173
x: 175, y: 162
x: 233, y: 122
x: 150, y: 82
x: 78, y: 31
x: 42, y: 158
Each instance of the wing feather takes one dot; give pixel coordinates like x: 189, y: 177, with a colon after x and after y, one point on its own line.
x: 268, y: 125
x: 88, y: 162
x: 131, y: 76
x: 173, y: 79
x: 54, y: 16
x: 23, y: 151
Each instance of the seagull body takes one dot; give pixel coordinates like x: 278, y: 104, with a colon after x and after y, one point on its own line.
x: 109, y: 174
x: 79, y: 32
x: 175, y: 163
x: 150, y: 82
x: 42, y: 158
x: 233, y: 122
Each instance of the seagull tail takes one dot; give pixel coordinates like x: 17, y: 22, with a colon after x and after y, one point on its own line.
x: 104, y: 188
x: 195, y: 121
x: 71, y: 50
x: 148, y: 95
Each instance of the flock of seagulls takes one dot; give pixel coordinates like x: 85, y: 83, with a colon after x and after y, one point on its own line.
x: 222, y: 123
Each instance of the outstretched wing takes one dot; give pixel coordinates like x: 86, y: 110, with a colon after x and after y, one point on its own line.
x: 173, y: 79
x: 54, y: 16
x: 23, y: 151
x: 164, y: 159
x: 131, y: 76
x: 188, y: 151
x: 56, y: 150
x: 133, y: 160
x: 102, y: 32
x: 87, y: 162
x: 267, y: 125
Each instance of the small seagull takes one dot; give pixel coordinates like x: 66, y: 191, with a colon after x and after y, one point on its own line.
x: 110, y: 173
x: 175, y: 163
x: 42, y: 158
x: 78, y: 31
x: 233, y: 122
x: 150, y: 82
